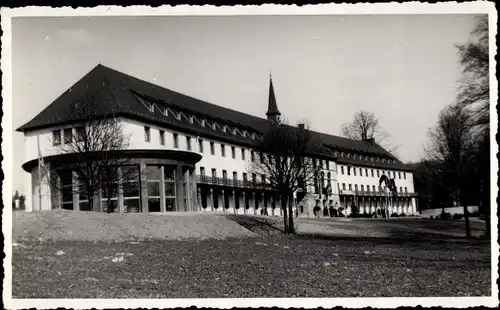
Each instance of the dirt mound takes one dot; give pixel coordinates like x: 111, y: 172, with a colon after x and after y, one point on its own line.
x: 93, y: 226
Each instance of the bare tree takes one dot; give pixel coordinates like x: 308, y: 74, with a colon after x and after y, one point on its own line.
x: 286, y: 163
x: 450, y: 145
x: 474, y: 90
x: 365, y: 126
x: 474, y: 95
x: 96, y: 147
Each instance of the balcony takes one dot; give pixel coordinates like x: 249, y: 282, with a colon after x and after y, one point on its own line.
x: 202, y: 179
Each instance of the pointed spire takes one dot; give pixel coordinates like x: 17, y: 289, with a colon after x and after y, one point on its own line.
x: 272, y: 111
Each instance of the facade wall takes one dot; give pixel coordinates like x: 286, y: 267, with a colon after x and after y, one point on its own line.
x: 135, y: 134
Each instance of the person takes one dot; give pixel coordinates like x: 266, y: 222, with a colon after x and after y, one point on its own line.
x: 325, y: 211
x: 331, y: 210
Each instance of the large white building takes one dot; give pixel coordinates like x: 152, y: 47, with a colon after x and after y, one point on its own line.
x: 195, y: 156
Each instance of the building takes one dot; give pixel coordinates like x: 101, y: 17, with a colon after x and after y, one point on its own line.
x: 191, y: 155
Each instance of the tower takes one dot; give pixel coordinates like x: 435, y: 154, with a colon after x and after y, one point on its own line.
x: 273, y: 114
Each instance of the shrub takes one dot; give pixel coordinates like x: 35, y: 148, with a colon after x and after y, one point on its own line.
x: 394, y: 214
x: 403, y: 214
x: 457, y: 216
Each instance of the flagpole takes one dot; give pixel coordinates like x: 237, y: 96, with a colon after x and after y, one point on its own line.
x: 39, y: 175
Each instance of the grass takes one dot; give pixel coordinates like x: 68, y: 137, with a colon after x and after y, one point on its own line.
x: 269, y: 266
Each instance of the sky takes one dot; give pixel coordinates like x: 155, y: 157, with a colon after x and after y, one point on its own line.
x: 403, y: 68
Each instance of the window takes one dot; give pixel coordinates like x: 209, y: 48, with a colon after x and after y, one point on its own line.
x: 131, y: 188
x: 350, y: 187
x: 223, y: 150
x: 378, y: 173
x: 406, y: 190
x: 214, y: 173
x: 404, y: 175
x: 243, y: 154
x: 399, y: 175
x: 176, y: 140
x: 342, y: 169
x: 235, y: 175
x: 162, y: 137
x: 169, y: 174
x: 56, y: 137
x: 263, y: 179
x: 360, y: 172
x: 202, y: 171
x: 327, y: 165
x: 200, y: 145
x: 252, y: 155
x: 368, y: 188
x: 188, y: 143
x: 245, y: 178
x: 372, y: 173
x: 356, y: 187
x: 366, y: 172
x: 354, y: 171
x: 153, y: 187
x: 68, y: 135
x: 400, y: 189
x: 343, y: 186
x: 224, y: 175
x: 254, y: 178
x: 147, y: 134
x: 362, y: 188
x: 233, y: 152
x: 80, y: 134
x: 212, y: 148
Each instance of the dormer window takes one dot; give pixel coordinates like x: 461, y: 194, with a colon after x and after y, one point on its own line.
x: 224, y: 128
x: 203, y: 123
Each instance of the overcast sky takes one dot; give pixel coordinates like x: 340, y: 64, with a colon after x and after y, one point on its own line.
x: 324, y: 68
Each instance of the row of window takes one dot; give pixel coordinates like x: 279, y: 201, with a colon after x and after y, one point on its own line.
x: 325, y: 164
x: 373, y: 188
x: 354, y: 171
x: 68, y: 135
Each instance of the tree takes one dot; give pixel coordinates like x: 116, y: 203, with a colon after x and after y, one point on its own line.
x: 286, y: 163
x: 474, y: 90
x: 474, y: 95
x: 97, y: 145
x: 450, y: 146
x: 365, y: 126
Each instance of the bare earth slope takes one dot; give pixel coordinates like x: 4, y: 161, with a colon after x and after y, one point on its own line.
x: 61, y: 225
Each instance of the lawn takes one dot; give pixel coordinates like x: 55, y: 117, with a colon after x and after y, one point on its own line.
x: 264, y: 266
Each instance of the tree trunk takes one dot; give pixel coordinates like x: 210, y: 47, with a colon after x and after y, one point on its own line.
x: 285, y: 214
x: 291, y: 226
x: 466, y: 215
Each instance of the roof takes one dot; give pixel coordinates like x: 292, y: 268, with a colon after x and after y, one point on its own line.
x: 121, y: 94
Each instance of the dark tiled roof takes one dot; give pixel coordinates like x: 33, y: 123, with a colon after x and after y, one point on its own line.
x: 118, y: 93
